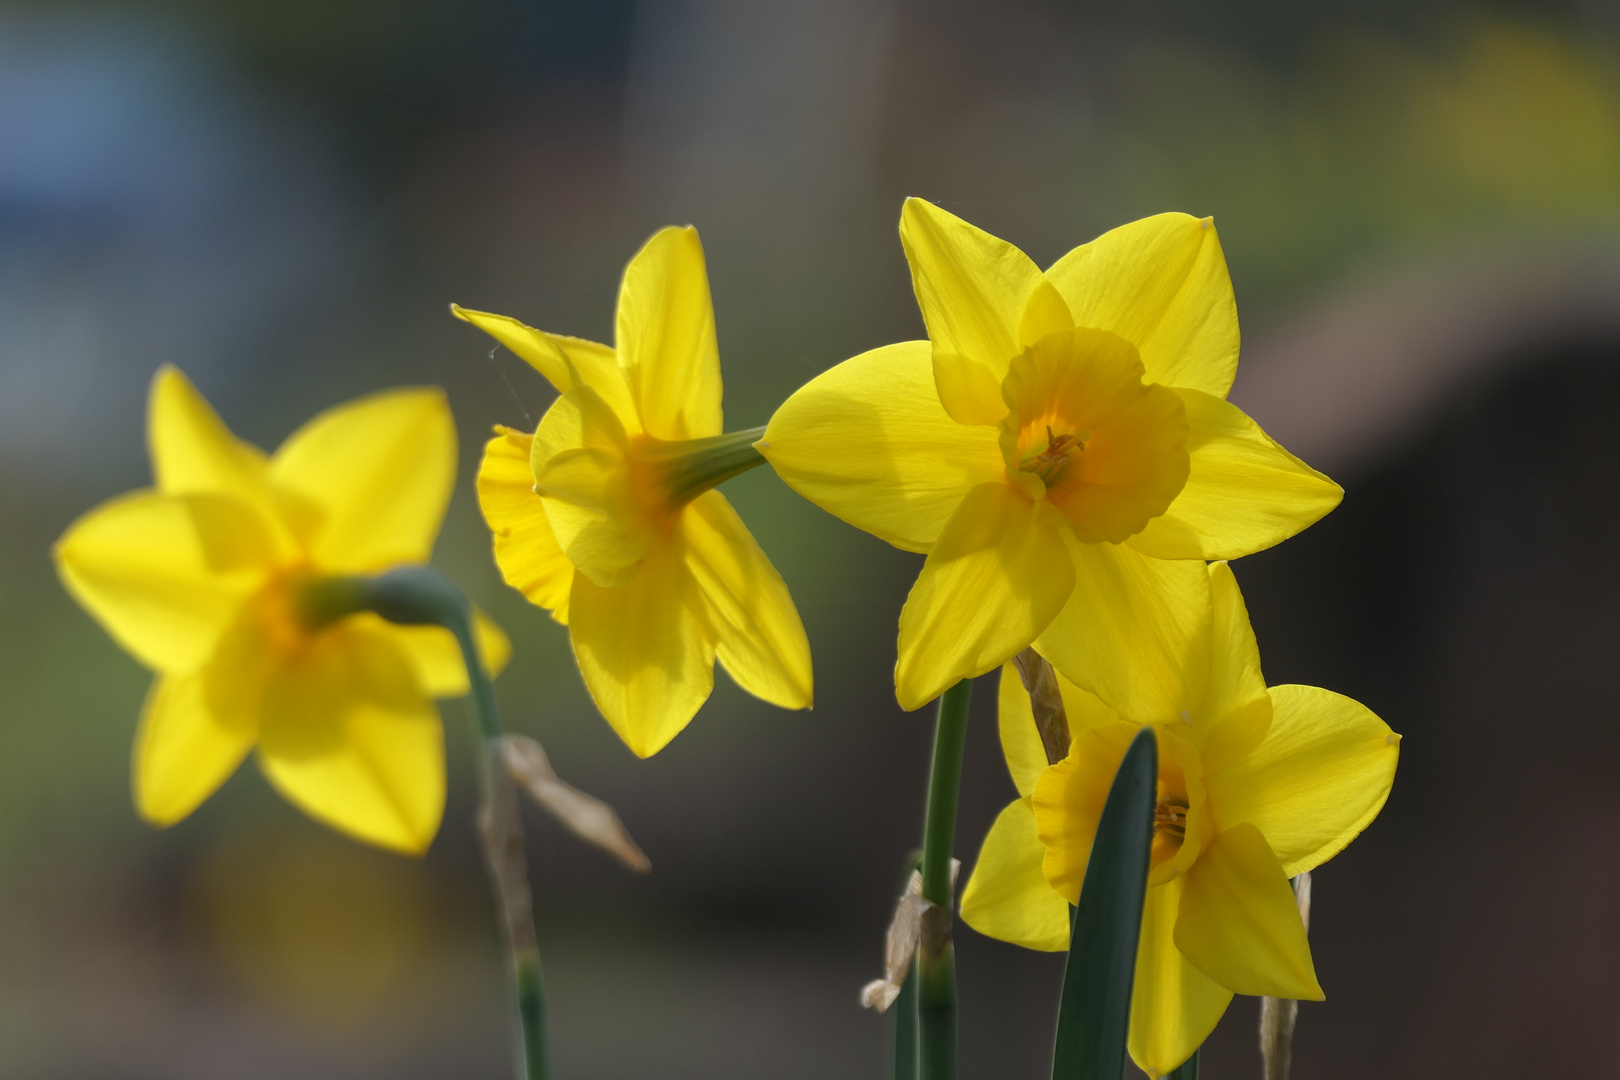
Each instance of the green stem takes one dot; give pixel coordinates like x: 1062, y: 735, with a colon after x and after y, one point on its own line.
x: 421, y: 596
x: 903, y: 1028
x: 936, y: 957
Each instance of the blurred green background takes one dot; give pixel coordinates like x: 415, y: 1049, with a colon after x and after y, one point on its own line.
x: 1420, y: 204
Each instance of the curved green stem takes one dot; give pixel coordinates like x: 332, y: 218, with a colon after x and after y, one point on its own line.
x: 422, y: 596
x: 936, y: 957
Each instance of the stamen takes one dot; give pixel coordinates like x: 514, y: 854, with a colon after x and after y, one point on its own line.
x: 1171, y: 817
x: 1049, y: 463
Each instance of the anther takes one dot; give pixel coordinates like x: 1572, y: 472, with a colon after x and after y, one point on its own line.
x: 1171, y: 817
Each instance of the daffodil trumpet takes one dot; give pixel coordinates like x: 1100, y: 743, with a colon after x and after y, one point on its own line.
x: 422, y: 596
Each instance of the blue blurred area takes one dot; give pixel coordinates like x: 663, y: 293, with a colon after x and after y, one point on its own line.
x: 1420, y: 203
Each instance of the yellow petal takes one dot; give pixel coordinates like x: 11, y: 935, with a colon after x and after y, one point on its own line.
x: 1068, y: 801
x: 526, y: 549
x: 1135, y: 631
x: 1008, y: 897
x: 1162, y: 284
x: 193, y: 451
x: 1319, y: 778
x: 165, y: 575
x: 665, y: 337
x: 566, y: 362
x: 184, y: 749
x: 370, y: 479
x: 642, y: 650
x: 1239, y: 924
x: 1236, y: 710
x: 1243, y: 493
x: 995, y: 578
x: 1021, y: 742
x: 348, y: 736
x: 869, y: 442
x: 758, y: 635
x: 436, y: 656
x: 973, y: 290
x: 581, y: 463
x: 1020, y: 739
x: 1174, y: 1006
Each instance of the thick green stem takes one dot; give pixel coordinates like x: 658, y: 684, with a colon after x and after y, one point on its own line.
x: 936, y: 957
x: 421, y: 596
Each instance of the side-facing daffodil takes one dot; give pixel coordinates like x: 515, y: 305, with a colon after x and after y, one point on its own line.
x: 206, y: 578
x: 1255, y: 786
x: 607, y: 516
x: 1061, y: 449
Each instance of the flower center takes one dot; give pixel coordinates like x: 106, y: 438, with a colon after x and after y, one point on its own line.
x: 1170, y: 817
x: 1047, y: 460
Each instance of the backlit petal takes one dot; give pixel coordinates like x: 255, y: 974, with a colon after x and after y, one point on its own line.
x: 565, y: 361
x: 348, y: 735
x: 526, y: 549
x: 758, y: 635
x: 165, y: 575
x: 581, y: 463
x: 1008, y: 897
x: 666, y: 340
x: 193, y: 451
x: 973, y: 289
x: 1174, y: 1006
x: 370, y: 479
x: 184, y: 749
x: 869, y: 442
x: 436, y: 656
x: 1243, y: 494
x: 1319, y: 778
x: 1135, y: 631
x: 1239, y: 924
x: 642, y: 650
x: 1237, y: 710
x: 1021, y: 742
x: 1161, y: 283
x: 995, y: 578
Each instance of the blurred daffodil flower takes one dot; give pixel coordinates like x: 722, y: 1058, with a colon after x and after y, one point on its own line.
x: 1061, y: 448
x: 607, y: 516
x: 206, y: 579
x: 1255, y: 786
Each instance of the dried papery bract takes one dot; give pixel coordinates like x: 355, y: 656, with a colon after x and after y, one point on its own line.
x: 1277, y: 1015
x: 900, y: 943
x: 584, y: 815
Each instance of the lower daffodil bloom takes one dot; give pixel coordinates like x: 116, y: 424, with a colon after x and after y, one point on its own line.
x: 204, y: 579
x: 1255, y: 786
x: 607, y: 516
x: 1061, y: 449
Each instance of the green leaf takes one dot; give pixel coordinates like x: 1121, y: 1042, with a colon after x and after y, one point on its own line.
x: 1095, y: 1010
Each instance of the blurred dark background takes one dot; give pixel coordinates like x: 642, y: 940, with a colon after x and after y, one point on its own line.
x: 1420, y: 203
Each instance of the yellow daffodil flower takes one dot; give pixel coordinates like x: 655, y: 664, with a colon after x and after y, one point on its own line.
x: 204, y: 579
x: 1255, y: 786
x: 1061, y: 449
x: 607, y: 516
